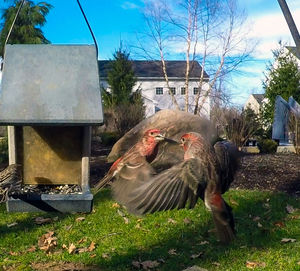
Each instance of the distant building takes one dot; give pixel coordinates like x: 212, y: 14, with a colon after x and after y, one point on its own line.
x: 255, y: 101
x: 150, y: 79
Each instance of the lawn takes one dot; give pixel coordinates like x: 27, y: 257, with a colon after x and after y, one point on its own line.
x: 267, y: 224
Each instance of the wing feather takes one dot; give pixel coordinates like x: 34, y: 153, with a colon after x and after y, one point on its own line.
x: 173, y: 188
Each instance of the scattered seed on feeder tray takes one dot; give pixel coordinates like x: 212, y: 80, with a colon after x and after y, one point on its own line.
x: 47, y: 189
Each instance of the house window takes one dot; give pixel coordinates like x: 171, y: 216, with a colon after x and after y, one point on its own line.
x: 182, y: 91
x: 173, y: 90
x: 159, y: 91
x: 196, y: 90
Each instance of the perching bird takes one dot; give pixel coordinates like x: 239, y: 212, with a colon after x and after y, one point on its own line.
x: 134, y: 164
x: 206, y: 172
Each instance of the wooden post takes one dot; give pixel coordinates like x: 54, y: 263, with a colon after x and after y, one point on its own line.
x: 86, y: 153
x: 12, y: 148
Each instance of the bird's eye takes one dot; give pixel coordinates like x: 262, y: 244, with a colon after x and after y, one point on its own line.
x: 182, y: 140
x: 151, y: 133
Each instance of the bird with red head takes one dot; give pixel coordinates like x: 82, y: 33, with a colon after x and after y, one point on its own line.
x: 202, y: 174
x: 136, y: 159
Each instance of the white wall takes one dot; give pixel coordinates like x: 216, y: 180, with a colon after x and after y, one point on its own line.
x: 164, y: 101
x: 252, y: 104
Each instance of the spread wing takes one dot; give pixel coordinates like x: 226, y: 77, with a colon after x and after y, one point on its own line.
x: 176, y: 187
x: 227, y: 156
x: 131, y: 175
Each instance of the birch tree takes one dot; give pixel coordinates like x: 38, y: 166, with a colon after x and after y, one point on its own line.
x: 212, y: 32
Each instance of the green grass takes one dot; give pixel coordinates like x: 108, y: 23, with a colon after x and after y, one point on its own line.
x: 156, y: 234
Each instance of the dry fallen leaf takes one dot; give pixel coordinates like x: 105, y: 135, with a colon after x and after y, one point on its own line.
x: 138, y: 226
x: 256, y: 218
x: 81, y: 240
x: 149, y: 264
x: 259, y: 225
x: 92, y: 246
x: 126, y: 220
x: 68, y: 227
x: 216, y: 264
x: 233, y: 202
x: 198, y: 255
x: 172, y: 221
x: 252, y: 265
x: 288, y: 240
x: 203, y: 243
x: 47, y: 242
x: 79, y: 219
x: 13, y: 253
x: 82, y: 250
x: 71, y: 249
x: 105, y: 256
x: 115, y: 205
x: 172, y: 252
x: 93, y: 255
x: 41, y: 220
x: 120, y: 213
x: 146, y: 265
x: 187, y: 220
x: 31, y: 249
x: 279, y: 224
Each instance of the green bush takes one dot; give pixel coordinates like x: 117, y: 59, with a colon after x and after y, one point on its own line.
x: 3, y: 150
x: 267, y: 146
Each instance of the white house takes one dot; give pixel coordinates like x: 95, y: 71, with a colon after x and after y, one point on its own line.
x: 255, y: 101
x: 151, y: 80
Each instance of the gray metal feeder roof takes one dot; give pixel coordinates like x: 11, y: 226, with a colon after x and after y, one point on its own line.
x: 50, y: 84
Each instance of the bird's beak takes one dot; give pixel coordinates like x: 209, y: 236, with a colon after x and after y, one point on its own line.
x: 169, y: 140
x: 160, y: 137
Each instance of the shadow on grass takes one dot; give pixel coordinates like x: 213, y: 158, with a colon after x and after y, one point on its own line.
x: 267, y: 209
x: 162, y: 236
x: 25, y: 221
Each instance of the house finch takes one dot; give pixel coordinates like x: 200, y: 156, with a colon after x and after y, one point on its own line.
x: 206, y: 172
x: 134, y: 164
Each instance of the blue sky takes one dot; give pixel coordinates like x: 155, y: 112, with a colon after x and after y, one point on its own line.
x: 115, y: 20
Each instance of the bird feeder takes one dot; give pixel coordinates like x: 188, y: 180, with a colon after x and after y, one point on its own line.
x: 50, y: 98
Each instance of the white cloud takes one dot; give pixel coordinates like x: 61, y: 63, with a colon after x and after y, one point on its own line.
x: 272, y: 25
x: 269, y: 29
x: 129, y: 5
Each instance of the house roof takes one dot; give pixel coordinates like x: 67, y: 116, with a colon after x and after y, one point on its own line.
x: 259, y: 97
x: 153, y: 68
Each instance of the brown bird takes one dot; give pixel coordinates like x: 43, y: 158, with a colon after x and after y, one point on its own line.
x: 134, y: 164
x: 206, y: 172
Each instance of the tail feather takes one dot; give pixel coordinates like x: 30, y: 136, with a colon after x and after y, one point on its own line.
x: 105, y: 180
x: 224, y: 223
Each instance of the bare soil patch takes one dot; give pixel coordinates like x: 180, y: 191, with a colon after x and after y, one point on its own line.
x: 275, y: 172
